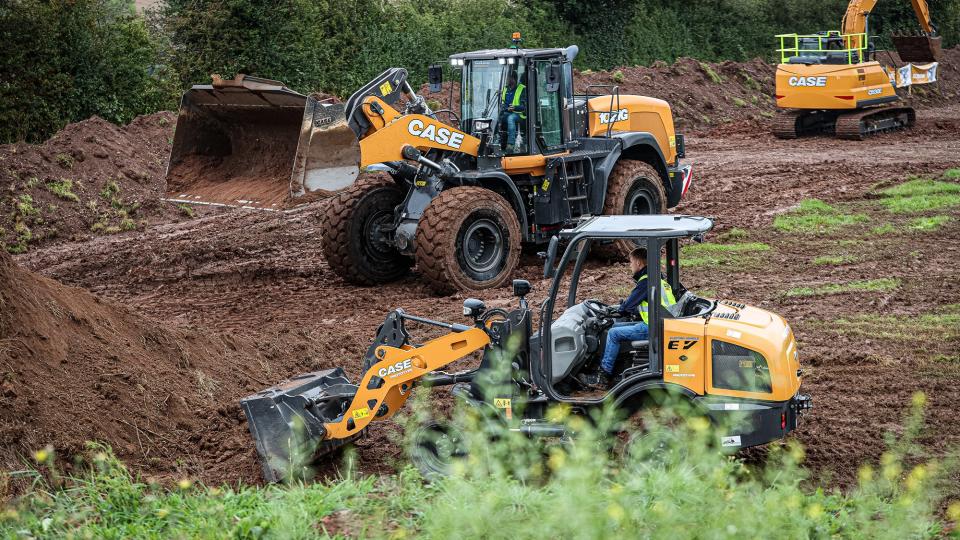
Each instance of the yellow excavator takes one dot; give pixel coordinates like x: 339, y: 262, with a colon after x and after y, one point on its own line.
x: 831, y: 81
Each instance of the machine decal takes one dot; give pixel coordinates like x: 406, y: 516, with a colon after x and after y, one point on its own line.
x: 683, y: 343
x: 673, y: 368
x: 361, y: 413
x: 731, y: 440
x: 385, y: 88
x: 614, y: 116
x: 807, y: 81
x: 443, y: 135
x: 874, y: 91
x: 396, y: 369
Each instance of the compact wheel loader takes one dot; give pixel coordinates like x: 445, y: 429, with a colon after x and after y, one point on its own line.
x: 831, y: 82
x: 736, y: 364
x: 457, y: 200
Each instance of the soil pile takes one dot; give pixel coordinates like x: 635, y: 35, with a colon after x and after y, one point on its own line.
x: 75, y: 368
x: 93, y: 177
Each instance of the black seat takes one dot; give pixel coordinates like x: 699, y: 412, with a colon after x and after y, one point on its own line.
x: 640, y: 344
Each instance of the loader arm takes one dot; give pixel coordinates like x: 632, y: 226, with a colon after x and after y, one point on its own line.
x: 386, y: 386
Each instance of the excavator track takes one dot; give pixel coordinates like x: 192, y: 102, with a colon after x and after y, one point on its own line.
x: 795, y: 123
x: 857, y: 125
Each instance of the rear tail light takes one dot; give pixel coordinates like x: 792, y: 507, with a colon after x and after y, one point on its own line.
x: 778, y: 96
x: 783, y: 421
x: 848, y: 98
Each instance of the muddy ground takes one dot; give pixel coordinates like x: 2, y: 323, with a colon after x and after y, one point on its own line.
x: 202, y: 311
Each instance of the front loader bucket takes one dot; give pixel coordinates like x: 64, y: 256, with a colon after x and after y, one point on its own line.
x: 917, y: 48
x: 287, y: 421
x: 255, y: 143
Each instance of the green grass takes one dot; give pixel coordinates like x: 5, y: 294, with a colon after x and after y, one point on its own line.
x: 886, y: 228
x: 736, y: 233
x: 815, y: 216
x: 926, y: 224
x: 714, y: 76
x: 617, y: 77
x: 865, y: 285
x: 24, y: 206
x: 186, y: 210
x: 952, y: 174
x: 739, y: 102
x: 920, y: 195
x: 706, y: 254
x: 942, y: 325
x: 64, y: 160
x: 834, y: 260
x: 664, y: 485
x: 63, y: 189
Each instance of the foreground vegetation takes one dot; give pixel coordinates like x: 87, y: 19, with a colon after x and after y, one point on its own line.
x: 667, y: 484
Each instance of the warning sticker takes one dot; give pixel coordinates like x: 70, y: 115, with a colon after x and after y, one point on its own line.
x: 502, y: 403
x: 386, y: 88
x: 673, y: 368
x: 361, y: 413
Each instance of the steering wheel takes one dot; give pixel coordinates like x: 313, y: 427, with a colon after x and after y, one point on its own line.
x: 597, y: 308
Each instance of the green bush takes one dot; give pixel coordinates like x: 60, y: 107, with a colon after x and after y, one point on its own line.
x: 65, y: 61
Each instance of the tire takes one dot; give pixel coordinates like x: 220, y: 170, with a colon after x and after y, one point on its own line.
x: 434, y: 448
x: 468, y: 239
x: 348, y: 225
x: 634, y: 188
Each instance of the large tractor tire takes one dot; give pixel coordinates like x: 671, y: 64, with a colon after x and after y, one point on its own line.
x: 468, y: 239
x: 352, y: 244
x: 634, y: 188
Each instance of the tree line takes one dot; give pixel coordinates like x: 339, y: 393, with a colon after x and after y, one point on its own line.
x: 65, y: 60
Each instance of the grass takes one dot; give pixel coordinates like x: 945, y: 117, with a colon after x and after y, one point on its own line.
x: 186, y: 210
x: 739, y: 102
x: 64, y: 160
x: 617, y: 77
x: 63, y: 189
x: 664, y: 485
x: 926, y: 224
x: 865, y: 285
x: 886, y: 228
x: 706, y: 254
x: 736, y: 233
x: 834, y: 260
x: 24, y: 206
x: 952, y: 174
x: 815, y: 216
x: 714, y: 76
x: 921, y: 195
x: 943, y: 325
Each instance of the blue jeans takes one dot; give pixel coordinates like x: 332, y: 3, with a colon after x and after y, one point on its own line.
x: 621, y: 331
x: 513, y: 122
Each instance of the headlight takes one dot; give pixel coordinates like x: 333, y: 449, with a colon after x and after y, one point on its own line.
x: 481, y: 125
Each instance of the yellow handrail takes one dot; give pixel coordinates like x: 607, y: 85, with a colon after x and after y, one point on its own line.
x: 792, y: 45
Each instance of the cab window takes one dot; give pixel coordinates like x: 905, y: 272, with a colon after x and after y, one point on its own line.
x: 739, y: 368
x: 548, y: 126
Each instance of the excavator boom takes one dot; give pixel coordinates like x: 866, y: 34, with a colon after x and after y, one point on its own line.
x: 924, y: 46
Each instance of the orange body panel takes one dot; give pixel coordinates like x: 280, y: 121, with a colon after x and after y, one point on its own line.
x: 831, y: 87
x: 391, y: 131
x: 755, y: 329
x: 634, y: 113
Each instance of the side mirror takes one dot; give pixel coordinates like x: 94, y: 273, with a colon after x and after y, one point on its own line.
x: 551, y: 256
x: 435, y: 77
x: 553, y: 78
x: 521, y: 287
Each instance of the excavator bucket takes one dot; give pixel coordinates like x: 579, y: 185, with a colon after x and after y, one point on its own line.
x: 917, y: 48
x: 255, y: 143
x: 287, y: 422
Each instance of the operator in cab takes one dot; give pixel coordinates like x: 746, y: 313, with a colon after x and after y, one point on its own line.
x: 513, y: 107
x: 634, y: 307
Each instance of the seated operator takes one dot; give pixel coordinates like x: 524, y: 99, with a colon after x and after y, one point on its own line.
x: 513, y: 101
x: 635, y: 304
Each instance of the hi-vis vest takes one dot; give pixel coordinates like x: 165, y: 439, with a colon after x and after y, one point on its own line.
x: 517, y: 94
x: 666, y: 298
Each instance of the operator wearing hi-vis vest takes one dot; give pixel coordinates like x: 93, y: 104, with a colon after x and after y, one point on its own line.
x: 513, y: 101
x: 635, y: 304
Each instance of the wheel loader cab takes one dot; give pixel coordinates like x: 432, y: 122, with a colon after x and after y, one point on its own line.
x: 722, y: 355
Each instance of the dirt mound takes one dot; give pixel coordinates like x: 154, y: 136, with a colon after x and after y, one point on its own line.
x: 75, y: 368
x: 93, y: 177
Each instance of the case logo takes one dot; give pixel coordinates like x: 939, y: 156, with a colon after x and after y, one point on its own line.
x: 807, y: 81
x: 395, y: 369
x: 442, y: 135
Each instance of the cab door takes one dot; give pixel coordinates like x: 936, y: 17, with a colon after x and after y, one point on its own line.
x: 547, y: 124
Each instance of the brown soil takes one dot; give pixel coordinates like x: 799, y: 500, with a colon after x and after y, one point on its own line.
x: 245, y: 299
x: 110, y: 179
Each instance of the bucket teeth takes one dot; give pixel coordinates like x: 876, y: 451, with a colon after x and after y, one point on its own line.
x: 287, y: 421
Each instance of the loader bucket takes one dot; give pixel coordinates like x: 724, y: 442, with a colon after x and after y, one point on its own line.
x: 917, y: 48
x: 255, y: 143
x: 287, y: 422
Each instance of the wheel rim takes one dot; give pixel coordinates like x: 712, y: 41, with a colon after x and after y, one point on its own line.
x: 376, y: 245
x: 435, y: 448
x: 483, y: 247
x: 641, y: 201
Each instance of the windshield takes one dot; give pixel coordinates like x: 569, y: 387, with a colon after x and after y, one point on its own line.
x: 481, y: 86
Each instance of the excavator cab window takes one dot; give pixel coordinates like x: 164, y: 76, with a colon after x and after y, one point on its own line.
x: 548, y: 125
